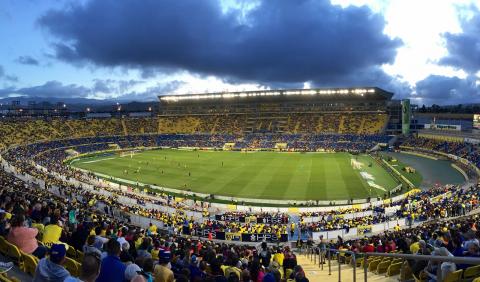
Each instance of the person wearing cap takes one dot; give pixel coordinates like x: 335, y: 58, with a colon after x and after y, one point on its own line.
x: 162, y: 272
x: 132, y: 271
x: 195, y: 272
x: 112, y: 269
x: 51, y: 269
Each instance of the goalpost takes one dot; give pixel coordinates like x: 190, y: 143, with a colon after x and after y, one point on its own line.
x: 130, y: 154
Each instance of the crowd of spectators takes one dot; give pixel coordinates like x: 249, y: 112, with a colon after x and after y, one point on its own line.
x: 45, y: 224
x: 464, y: 150
x: 457, y: 237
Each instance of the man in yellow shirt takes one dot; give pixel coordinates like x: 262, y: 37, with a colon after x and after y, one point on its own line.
x: 152, y: 228
x: 278, y: 257
x: 161, y: 272
x: 52, y: 233
x: 415, y: 246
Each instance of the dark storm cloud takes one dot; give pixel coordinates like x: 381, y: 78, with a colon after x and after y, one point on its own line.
x: 54, y: 89
x: 27, y: 60
x: 152, y: 93
x: 277, y: 42
x: 464, y: 48
x: 111, y: 89
x: 443, y: 90
x: 113, y: 86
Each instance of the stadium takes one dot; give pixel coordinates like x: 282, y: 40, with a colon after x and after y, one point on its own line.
x: 289, y: 167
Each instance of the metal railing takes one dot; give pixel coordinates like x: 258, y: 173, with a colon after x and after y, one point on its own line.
x: 314, y: 253
x: 322, y: 254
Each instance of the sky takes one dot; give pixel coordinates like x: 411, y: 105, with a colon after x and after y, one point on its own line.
x: 425, y: 50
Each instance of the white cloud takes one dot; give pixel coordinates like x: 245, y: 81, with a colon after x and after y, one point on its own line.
x: 419, y: 24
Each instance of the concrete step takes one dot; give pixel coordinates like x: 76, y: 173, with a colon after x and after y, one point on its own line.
x: 315, y: 273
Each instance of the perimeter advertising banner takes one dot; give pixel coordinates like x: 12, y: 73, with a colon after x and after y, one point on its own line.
x: 264, y: 238
x: 250, y: 219
x: 406, y: 116
x: 245, y: 237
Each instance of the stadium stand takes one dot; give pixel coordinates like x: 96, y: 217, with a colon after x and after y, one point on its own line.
x: 90, y: 229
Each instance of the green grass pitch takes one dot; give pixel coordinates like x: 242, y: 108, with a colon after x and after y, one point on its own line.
x: 257, y: 175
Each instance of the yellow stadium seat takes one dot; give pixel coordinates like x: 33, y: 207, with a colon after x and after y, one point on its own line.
x: 397, y: 260
x: 3, y: 246
x: 418, y: 279
x: 71, y: 252
x: 394, y: 269
x: 372, y: 266
x: 30, y: 263
x: 15, y: 255
x: 472, y: 272
x: 454, y: 276
x: 72, y: 266
x: 80, y: 256
x: 5, y: 278
x: 382, y: 267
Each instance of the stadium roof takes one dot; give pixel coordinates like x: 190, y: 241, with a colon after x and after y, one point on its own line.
x: 358, y: 92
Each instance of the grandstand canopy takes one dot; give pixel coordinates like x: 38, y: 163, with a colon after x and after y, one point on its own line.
x: 321, y: 94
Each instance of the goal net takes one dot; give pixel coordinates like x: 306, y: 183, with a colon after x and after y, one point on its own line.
x: 130, y: 154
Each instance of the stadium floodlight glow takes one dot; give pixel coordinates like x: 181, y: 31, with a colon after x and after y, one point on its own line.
x: 308, y: 92
x: 267, y: 93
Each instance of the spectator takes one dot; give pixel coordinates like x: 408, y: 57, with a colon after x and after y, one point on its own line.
x: 52, y: 232
x: 51, y: 269
x: 25, y: 238
x: 89, y: 246
x: 162, y: 271
x: 112, y: 269
x: 90, y: 269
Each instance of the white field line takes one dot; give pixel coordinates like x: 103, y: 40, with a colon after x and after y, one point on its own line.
x: 94, y: 161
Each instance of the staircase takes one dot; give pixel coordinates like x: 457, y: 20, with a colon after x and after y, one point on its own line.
x: 314, y: 273
x: 124, y: 126
x: 361, y: 129
x: 341, y: 127
x: 215, y: 124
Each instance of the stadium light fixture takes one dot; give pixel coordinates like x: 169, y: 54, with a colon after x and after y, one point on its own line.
x: 355, y: 91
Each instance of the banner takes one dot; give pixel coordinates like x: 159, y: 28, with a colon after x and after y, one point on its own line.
x: 272, y: 220
x: 229, y: 236
x: 204, y: 233
x: 229, y: 218
x: 272, y: 238
x: 252, y: 219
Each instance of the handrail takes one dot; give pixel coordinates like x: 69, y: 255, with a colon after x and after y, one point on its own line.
x: 311, y: 252
x: 462, y: 260
x: 327, y: 253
